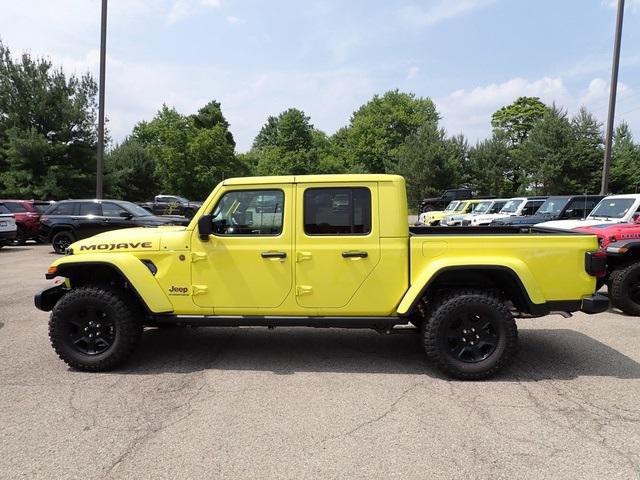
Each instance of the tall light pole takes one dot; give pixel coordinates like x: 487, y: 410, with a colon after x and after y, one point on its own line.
x: 604, y: 186
x: 100, y: 153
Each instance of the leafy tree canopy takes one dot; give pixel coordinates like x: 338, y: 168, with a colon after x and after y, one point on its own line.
x: 47, y: 130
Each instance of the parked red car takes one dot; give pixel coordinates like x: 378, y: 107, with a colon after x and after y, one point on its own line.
x: 27, y: 213
x: 621, y: 243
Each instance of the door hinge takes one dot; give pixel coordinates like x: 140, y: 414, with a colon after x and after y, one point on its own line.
x: 197, y: 256
x: 302, y: 256
x: 198, y: 289
x: 303, y: 290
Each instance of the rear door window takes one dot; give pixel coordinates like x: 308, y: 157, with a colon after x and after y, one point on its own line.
x: 90, y: 208
x: 337, y: 211
x: 15, y: 207
x: 67, y: 208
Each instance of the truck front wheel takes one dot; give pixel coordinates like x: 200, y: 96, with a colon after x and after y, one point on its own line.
x: 624, y: 288
x: 470, y: 334
x: 94, y: 328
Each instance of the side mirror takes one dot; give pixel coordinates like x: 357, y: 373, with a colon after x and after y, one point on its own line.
x: 126, y: 215
x: 205, y: 227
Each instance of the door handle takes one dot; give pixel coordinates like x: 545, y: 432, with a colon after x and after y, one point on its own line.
x: 273, y: 255
x: 350, y: 254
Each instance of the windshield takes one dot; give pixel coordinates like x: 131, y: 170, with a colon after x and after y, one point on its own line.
x: 41, y: 207
x: 481, y: 207
x: 460, y: 207
x: 612, y: 208
x: 552, y: 206
x: 512, y: 206
x: 136, y: 210
x: 451, y: 206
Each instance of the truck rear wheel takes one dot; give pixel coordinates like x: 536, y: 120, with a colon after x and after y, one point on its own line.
x: 94, y: 328
x: 624, y: 288
x: 470, y: 334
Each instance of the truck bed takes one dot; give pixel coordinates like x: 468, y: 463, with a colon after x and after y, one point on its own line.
x: 501, y: 230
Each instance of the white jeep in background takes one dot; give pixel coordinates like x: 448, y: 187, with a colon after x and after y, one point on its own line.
x: 611, y: 209
x: 514, y: 207
x: 485, y: 207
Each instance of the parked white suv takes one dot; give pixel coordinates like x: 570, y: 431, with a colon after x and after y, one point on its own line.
x: 8, y: 228
x: 485, y: 207
x: 612, y: 209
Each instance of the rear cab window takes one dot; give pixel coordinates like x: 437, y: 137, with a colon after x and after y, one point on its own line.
x: 337, y: 211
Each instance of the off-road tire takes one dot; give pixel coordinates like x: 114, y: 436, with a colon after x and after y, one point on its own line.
x: 58, y: 241
x: 484, y: 307
x: 118, y: 307
x: 622, y: 283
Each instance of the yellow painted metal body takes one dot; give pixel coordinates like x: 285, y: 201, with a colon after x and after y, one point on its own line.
x: 226, y: 275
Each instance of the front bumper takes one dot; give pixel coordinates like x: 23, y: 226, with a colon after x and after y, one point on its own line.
x: 47, y: 299
x: 596, y: 303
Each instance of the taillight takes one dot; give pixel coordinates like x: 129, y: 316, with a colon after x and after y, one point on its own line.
x: 595, y: 263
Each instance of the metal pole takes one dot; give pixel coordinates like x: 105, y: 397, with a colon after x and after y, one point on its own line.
x: 604, y: 187
x: 100, y: 153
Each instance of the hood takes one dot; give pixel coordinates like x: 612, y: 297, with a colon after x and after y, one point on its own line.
x: 123, y: 240
x: 489, y: 217
x: 154, y: 220
x: 571, y: 224
x: 526, y: 220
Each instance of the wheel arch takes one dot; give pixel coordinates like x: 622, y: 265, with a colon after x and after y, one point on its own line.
x: 138, y: 279
x: 498, y: 277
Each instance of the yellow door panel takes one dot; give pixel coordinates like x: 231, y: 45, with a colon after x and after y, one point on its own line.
x: 248, y: 262
x: 337, y: 242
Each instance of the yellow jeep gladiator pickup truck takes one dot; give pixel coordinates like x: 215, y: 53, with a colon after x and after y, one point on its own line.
x: 319, y: 251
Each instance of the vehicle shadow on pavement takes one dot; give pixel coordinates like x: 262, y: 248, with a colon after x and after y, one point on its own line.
x: 559, y: 354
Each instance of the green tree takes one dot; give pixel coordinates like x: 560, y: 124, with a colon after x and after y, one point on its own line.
x: 547, y: 152
x: 130, y: 172
x: 192, y: 153
x: 516, y: 120
x: 583, y: 172
x: 430, y: 162
x: 285, y: 145
x: 379, y: 127
x: 47, y: 129
x: 625, y: 162
x: 489, y: 169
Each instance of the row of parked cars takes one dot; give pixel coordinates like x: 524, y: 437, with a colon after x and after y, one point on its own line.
x: 62, y: 223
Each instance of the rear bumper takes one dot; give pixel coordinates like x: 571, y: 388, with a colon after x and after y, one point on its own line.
x: 8, y: 235
x: 596, y: 303
x: 47, y: 299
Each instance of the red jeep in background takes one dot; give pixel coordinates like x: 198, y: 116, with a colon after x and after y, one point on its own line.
x: 27, y: 213
x: 621, y: 243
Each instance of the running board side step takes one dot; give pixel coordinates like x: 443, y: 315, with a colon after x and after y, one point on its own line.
x: 378, y: 323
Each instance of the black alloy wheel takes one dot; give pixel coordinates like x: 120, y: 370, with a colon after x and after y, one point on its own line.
x: 61, y: 241
x: 89, y: 330
x: 472, y: 337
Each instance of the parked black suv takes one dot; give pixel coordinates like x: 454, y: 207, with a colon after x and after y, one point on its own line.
x: 560, y: 207
x: 171, y: 205
x: 71, y: 220
x: 446, y: 197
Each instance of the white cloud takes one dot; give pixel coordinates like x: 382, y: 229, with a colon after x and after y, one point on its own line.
x: 420, y: 16
x: 469, y: 111
x: 235, y: 20
x: 181, y: 9
x: 633, y: 5
x: 412, y: 72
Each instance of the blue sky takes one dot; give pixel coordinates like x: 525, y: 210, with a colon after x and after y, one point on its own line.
x: 328, y: 57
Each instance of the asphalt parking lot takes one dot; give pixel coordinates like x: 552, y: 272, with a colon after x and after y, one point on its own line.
x: 303, y: 403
